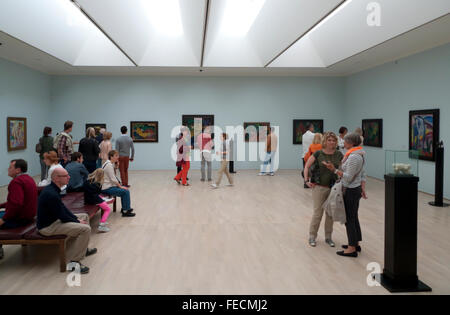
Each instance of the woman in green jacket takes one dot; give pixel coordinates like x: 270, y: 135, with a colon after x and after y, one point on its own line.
x: 46, y: 142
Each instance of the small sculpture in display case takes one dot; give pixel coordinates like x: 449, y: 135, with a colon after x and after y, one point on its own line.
x: 402, y: 163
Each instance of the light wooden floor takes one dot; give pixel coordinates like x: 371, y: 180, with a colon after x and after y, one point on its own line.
x: 247, y: 239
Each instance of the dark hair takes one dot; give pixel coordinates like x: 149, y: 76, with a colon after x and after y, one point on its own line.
x: 309, y: 125
x: 123, y: 129
x: 68, y: 124
x: 342, y: 129
x: 112, y: 153
x: 47, y: 131
x: 75, y: 156
x: 22, y: 164
x: 224, y: 135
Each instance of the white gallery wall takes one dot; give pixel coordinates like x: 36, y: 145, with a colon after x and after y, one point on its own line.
x: 389, y: 92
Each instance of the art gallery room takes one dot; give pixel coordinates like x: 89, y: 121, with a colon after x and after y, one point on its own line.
x: 225, y: 147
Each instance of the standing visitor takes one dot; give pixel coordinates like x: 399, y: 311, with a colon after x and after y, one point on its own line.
x: 183, y: 156
x: 125, y: 147
x: 205, y: 144
x: 321, y: 179
x: 341, y: 143
x: 46, y: 145
x: 224, y: 163
x: 271, y: 149
x: 90, y: 150
x: 105, y: 147
x: 307, y: 139
x: 64, y: 143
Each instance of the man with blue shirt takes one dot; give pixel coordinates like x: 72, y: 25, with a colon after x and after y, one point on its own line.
x: 77, y: 172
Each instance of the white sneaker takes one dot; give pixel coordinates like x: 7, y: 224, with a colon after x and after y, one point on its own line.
x: 230, y: 185
x: 102, y: 228
x: 261, y: 174
x: 107, y: 200
x: 214, y: 186
x: 271, y: 174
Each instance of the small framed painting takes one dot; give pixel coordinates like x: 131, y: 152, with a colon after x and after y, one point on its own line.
x: 16, y: 133
x: 96, y: 127
x: 144, y: 131
x: 373, y: 132
x: 256, y: 131
x: 424, y: 133
x: 300, y: 126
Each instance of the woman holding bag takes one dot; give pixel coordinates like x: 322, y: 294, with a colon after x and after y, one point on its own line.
x: 353, y: 179
x: 321, y: 181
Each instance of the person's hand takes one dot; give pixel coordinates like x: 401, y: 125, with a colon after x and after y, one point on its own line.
x: 2, y: 222
x: 310, y: 185
x: 123, y: 187
x: 364, y: 194
x: 329, y: 165
x: 83, y: 222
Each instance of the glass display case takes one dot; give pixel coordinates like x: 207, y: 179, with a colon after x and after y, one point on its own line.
x: 402, y: 163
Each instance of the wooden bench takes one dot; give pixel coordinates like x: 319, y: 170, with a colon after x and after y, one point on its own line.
x: 29, y: 235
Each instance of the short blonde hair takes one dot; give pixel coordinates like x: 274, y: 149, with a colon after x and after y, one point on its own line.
x: 327, y: 135
x: 317, y: 138
x: 97, y: 176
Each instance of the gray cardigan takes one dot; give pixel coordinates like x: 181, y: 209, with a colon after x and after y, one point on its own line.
x: 353, y: 168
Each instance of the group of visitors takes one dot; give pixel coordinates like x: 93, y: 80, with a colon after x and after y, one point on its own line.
x: 328, y: 159
x: 64, y: 170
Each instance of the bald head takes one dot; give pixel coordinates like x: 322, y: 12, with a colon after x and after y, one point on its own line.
x: 60, y: 177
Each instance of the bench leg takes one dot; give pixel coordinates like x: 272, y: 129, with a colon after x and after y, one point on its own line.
x: 114, y: 205
x: 62, y: 256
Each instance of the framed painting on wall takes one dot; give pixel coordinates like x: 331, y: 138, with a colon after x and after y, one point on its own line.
x: 97, y: 127
x: 16, y: 133
x: 256, y: 131
x: 373, y: 132
x: 196, y: 124
x: 300, y: 125
x: 424, y: 132
x: 144, y: 131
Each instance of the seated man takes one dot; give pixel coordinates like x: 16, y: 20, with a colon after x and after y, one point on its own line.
x: 53, y: 218
x: 21, y: 205
x: 77, y: 172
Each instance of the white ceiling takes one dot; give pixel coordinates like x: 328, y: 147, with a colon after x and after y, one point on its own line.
x: 227, y: 37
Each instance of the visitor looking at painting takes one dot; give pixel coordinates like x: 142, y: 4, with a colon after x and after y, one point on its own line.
x: 341, y: 144
x: 125, y: 147
x: 205, y: 145
x: 307, y: 140
x: 90, y: 150
x: 105, y: 147
x: 271, y: 149
x: 45, y: 146
x: 64, y: 143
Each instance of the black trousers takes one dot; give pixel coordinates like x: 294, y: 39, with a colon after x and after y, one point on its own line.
x: 231, y: 167
x: 351, y: 202
x: 91, y: 166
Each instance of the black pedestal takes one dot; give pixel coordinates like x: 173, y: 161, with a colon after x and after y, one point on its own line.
x: 400, y: 241
x: 439, y: 179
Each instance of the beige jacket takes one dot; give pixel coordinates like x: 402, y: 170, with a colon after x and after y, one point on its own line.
x: 111, y: 179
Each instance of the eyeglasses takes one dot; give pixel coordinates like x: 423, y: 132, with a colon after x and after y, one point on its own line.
x: 67, y: 175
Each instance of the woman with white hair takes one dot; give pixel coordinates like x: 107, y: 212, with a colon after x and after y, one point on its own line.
x: 90, y: 150
x: 353, y: 179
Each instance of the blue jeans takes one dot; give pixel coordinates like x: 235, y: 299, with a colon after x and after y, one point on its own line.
x: 11, y: 224
x: 122, y: 193
x: 99, y: 163
x: 269, y: 159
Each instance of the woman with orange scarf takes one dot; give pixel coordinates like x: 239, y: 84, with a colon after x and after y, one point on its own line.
x: 353, y: 179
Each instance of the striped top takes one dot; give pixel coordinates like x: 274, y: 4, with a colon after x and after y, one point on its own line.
x: 353, y: 175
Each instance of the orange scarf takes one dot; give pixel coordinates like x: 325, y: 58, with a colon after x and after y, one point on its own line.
x: 351, y: 151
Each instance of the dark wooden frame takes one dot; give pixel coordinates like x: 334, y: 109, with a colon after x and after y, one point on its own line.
x: 436, y: 114
x: 246, y: 124
x: 145, y: 122
x: 380, y: 124
x: 8, y: 133
x: 185, y: 117
x: 294, y: 141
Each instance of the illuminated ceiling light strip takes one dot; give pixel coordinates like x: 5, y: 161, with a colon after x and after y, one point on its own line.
x: 332, y: 13
x: 165, y: 16
x: 103, y: 31
x: 239, y: 16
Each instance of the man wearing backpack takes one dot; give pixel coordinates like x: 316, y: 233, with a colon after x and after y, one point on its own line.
x: 63, y: 144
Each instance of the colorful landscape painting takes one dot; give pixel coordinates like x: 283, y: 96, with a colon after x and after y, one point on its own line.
x: 256, y: 131
x: 300, y: 128
x: 144, y: 131
x: 373, y: 132
x: 97, y: 127
x: 424, y: 132
x: 196, y: 124
x: 16, y: 133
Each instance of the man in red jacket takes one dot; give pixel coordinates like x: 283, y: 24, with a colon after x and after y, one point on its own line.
x: 21, y: 204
